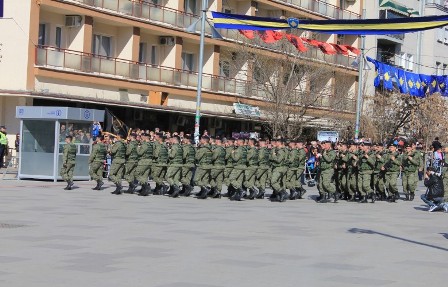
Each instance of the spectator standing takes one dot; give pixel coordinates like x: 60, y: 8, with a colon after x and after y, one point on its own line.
x: 3, y: 145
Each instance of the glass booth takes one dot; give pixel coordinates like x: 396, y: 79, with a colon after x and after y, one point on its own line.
x: 43, y: 131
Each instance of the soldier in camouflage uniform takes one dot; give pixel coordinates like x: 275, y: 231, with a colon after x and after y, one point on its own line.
x: 118, y: 153
x: 236, y: 177
x: 410, y: 164
x: 217, y: 171
x: 352, y: 172
x: 160, y: 158
x: 250, y: 174
x: 263, y: 167
x: 279, y: 167
x: 96, y: 162
x: 174, y: 171
x: 378, y: 174
x: 326, y: 185
x: 68, y: 161
x: 189, y: 158
x: 229, y: 147
x: 301, y: 168
x: 131, y: 162
x: 143, y: 170
x: 366, y: 165
x: 392, y: 163
x: 341, y: 165
x: 291, y: 177
x: 203, y: 161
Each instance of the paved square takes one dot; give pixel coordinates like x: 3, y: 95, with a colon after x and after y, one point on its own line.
x: 52, y: 237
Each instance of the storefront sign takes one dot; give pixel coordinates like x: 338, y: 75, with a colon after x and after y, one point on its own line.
x: 246, y: 110
x: 327, y: 136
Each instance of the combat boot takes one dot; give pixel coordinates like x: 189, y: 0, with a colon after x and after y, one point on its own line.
x: 283, y: 196
x: 373, y: 197
x: 175, y: 192
x: 68, y: 186
x: 144, y: 191
x: 131, y: 188
x: 335, y: 197
x: 100, y: 184
x: 322, y: 198
x: 411, y: 197
x: 164, y: 189
x: 302, y: 192
x: 260, y: 194
x: 406, y: 197
x: 293, y: 194
x: 118, y: 189
x: 188, y: 190
x: 252, y: 193
x: 351, y: 198
x: 237, y: 195
x: 363, y: 199
x: 97, y: 187
x: 273, y: 196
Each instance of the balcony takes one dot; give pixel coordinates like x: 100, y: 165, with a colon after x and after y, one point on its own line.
x: 75, y: 61
x: 322, y: 8
x: 442, y: 5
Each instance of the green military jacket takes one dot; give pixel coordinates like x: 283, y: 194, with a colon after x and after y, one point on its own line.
x: 131, y: 151
x: 392, y: 166
x: 278, y: 157
x: 204, y: 156
x: 264, y: 157
x: 160, y: 154
x: 69, y: 153
x: 229, y: 161
x: 118, y: 151
x: 219, y: 157
x: 302, y: 158
x: 366, y: 165
x: 98, y: 153
x: 176, y: 155
x: 292, y: 159
x: 352, y: 164
x: 189, y: 155
x: 327, y: 160
x: 239, y: 157
x: 413, y: 164
x: 379, y: 162
x: 145, y: 153
x: 252, y: 157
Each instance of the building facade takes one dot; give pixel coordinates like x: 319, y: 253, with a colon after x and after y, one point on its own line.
x: 136, y: 58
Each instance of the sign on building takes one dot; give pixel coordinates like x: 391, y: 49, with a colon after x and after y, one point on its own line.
x: 327, y: 136
x: 246, y: 110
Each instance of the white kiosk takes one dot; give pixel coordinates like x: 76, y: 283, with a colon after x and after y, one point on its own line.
x: 42, y: 137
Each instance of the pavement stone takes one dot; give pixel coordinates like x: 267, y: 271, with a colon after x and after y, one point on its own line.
x: 52, y: 237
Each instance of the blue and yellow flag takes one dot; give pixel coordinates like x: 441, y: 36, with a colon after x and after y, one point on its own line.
x: 415, y: 86
x: 429, y: 83
x: 402, y: 82
x: 389, y: 76
x: 343, y: 27
x: 442, y: 82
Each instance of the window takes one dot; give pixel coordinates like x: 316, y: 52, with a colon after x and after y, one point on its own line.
x: 227, y: 11
x: 102, y: 45
x: 190, y: 6
x: 142, y: 47
x: 58, y: 41
x: 444, y: 69
x: 438, y: 70
x: 440, y: 35
x: 224, y: 69
x: 42, y: 40
x: 154, y: 56
x: 187, y: 61
x: 410, y: 62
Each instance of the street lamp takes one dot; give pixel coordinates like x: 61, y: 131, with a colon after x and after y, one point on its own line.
x: 216, y: 35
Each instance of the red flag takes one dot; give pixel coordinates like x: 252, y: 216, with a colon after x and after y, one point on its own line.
x: 269, y: 36
x: 340, y: 49
x: 249, y: 34
x: 297, y: 42
x: 312, y: 42
x: 353, y: 49
x: 327, y: 48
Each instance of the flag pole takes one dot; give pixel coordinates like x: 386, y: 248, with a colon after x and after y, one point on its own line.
x: 360, y: 82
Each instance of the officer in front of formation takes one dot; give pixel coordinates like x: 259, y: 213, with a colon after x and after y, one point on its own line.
x: 96, y: 161
x: 68, y: 161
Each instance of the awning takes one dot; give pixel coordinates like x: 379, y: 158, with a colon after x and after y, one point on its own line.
x: 397, y: 7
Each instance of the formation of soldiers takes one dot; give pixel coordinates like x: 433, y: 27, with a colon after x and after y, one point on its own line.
x: 349, y: 171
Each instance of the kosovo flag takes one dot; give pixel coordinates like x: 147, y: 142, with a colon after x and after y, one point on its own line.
x: 426, y: 81
x: 379, y: 68
x: 414, y: 85
x: 388, y: 76
x: 442, y: 82
x: 402, y: 82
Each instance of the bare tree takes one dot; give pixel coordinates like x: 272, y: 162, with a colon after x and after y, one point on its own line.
x: 297, y: 91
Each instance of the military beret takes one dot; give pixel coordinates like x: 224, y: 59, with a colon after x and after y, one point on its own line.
x: 69, y: 137
x: 205, y: 137
x: 407, y: 145
x: 159, y: 134
x: 133, y: 134
x: 391, y: 144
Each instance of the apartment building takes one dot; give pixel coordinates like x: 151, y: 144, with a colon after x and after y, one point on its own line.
x: 425, y: 52
x: 136, y: 58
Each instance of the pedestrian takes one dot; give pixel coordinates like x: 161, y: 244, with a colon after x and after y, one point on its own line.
x: 68, y: 161
x: 3, y: 145
x: 434, y: 193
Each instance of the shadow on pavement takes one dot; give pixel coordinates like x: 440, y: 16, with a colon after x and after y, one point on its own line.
x: 444, y: 235
x: 421, y: 208
x: 367, y: 231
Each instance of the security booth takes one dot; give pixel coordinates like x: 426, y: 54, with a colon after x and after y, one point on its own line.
x: 42, y: 138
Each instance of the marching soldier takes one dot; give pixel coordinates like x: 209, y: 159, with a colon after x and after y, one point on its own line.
x: 352, y: 172
x: 217, y: 171
x: 250, y: 174
x: 326, y: 184
x: 203, y: 160
x: 342, y: 167
x: 279, y: 168
x: 229, y: 146
x: 378, y: 174
x: 174, y: 171
x: 392, y: 168
x: 291, y: 177
x: 410, y: 164
x: 118, y: 153
x: 263, y: 169
x: 366, y: 165
x: 96, y: 162
x: 160, y: 164
x: 301, y: 168
x: 143, y: 170
x: 131, y: 163
x: 189, y: 157
x: 68, y: 162
x: 236, y: 177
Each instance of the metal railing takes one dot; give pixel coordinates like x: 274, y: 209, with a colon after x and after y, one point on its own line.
x: 56, y: 58
x: 322, y: 8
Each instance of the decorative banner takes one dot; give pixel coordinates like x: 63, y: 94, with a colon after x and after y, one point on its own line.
x: 343, y: 27
x: 246, y: 110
